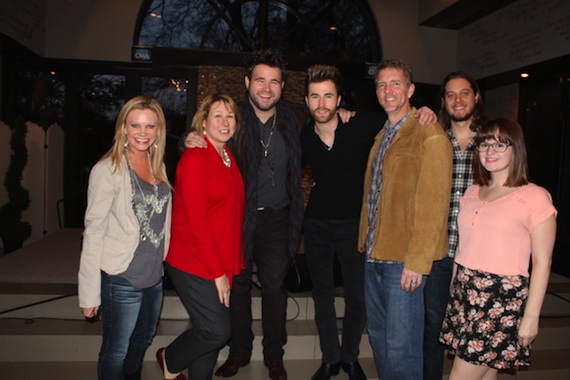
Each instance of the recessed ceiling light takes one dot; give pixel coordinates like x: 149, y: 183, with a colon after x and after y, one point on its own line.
x: 525, y: 75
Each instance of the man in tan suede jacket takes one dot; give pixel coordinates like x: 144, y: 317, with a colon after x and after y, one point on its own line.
x: 403, y: 224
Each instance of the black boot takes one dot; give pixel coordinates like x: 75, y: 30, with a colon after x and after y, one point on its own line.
x: 133, y: 376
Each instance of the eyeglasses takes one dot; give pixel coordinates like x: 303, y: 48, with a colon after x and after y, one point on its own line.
x: 497, y: 147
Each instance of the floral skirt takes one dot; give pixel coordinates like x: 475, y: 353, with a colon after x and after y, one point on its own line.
x: 482, y: 319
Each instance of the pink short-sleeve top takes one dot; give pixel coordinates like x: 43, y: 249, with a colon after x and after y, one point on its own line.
x: 495, y: 236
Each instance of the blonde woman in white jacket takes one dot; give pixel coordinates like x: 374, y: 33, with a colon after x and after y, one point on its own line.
x: 127, y: 231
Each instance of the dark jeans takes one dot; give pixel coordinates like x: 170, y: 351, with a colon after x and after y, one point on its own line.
x: 272, y: 257
x: 436, y: 295
x: 324, y: 239
x: 130, y: 316
x: 197, y: 348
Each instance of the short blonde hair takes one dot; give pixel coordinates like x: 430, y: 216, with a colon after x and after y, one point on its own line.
x: 205, y: 107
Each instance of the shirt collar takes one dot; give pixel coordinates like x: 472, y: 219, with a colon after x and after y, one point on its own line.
x: 396, y: 127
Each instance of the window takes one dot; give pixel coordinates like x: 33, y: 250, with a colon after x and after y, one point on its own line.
x: 332, y: 29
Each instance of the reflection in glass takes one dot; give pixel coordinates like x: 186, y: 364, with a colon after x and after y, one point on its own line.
x: 101, y: 97
x: 172, y: 94
x: 336, y: 29
x: 40, y: 95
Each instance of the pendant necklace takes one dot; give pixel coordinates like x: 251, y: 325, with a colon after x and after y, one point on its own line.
x: 150, y: 204
x: 266, y: 145
x: 266, y: 150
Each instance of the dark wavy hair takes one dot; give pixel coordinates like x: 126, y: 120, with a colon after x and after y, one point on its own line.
x: 508, y: 132
x: 479, y: 116
x: 267, y: 57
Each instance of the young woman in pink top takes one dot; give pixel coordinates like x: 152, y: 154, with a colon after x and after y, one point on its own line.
x: 505, y: 222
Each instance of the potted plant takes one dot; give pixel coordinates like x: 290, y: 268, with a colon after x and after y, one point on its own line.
x: 13, y: 230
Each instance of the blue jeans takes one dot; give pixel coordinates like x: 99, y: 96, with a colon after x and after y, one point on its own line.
x: 395, y: 322
x: 436, y: 294
x: 130, y: 317
x: 323, y: 240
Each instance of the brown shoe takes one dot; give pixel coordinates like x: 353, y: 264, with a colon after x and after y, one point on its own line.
x: 276, y: 370
x: 231, y: 367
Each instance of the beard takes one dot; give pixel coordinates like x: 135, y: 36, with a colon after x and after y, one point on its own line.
x: 465, y: 117
x: 262, y: 107
x: 320, y: 118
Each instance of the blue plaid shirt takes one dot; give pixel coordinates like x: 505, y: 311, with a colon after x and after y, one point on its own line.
x: 376, y: 183
x: 462, y: 178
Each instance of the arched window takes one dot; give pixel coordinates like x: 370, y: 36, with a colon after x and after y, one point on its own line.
x: 342, y: 30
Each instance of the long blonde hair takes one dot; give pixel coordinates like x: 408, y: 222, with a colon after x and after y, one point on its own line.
x: 156, y: 151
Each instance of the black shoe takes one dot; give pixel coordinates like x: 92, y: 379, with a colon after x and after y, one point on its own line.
x: 231, y: 367
x: 276, y: 369
x: 326, y: 371
x: 354, y: 370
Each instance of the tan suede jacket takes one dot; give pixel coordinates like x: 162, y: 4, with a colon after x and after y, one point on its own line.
x: 414, y: 204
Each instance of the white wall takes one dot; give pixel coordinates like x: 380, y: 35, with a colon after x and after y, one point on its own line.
x: 431, y: 52
x: 99, y: 30
x: 43, y: 178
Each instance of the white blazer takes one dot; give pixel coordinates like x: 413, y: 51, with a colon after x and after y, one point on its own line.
x: 112, y: 231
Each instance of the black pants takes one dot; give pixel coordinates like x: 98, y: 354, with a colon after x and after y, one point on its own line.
x: 271, y: 257
x: 436, y: 295
x: 323, y: 240
x: 197, y: 348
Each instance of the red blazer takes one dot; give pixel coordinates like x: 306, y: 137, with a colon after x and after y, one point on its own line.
x: 207, y: 216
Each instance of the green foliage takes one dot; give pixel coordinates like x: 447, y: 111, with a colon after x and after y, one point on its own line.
x: 11, y: 225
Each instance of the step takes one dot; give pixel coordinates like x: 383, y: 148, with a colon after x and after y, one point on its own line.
x: 67, y: 307
x: 299, y: 306
x: 77, y: 340
x: 30, y: 333
x: 54, y: 336
x: 296, y: 369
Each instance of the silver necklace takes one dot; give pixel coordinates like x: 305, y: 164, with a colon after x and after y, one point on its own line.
x: 145, y: 210
x: 266, y: 145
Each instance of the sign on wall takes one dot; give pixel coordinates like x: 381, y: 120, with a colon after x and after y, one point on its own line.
x: 141, y: 54
x: 520, y: 34
x: 24, y: 21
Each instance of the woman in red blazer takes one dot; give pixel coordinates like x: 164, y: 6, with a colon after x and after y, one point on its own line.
x: 206, y: 244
